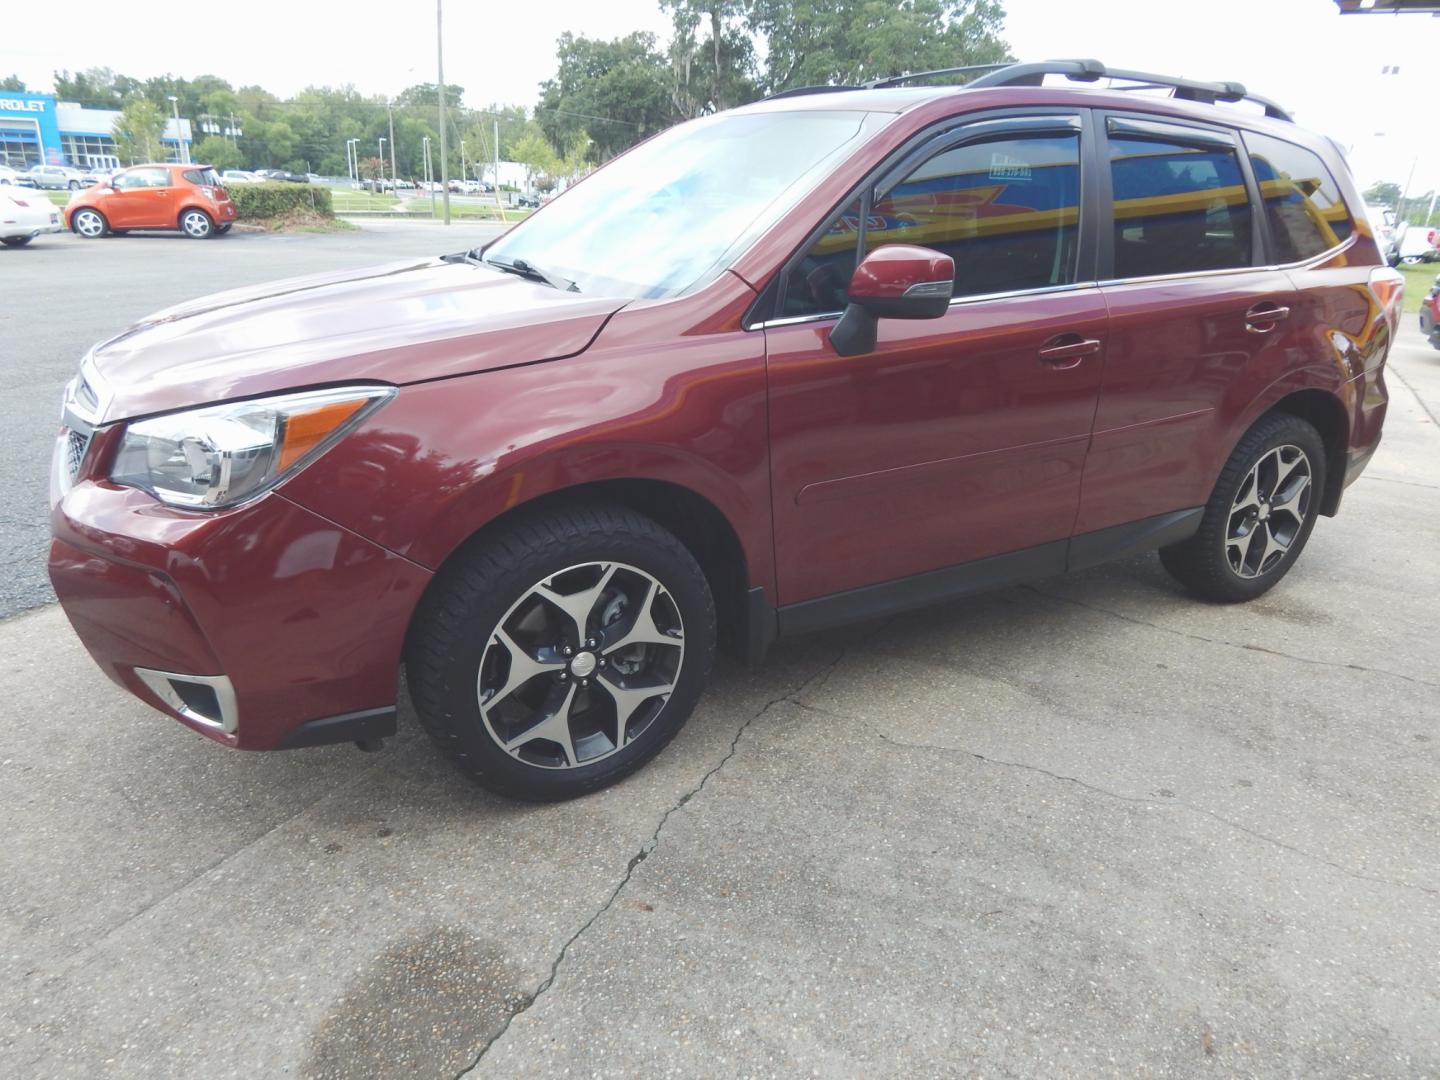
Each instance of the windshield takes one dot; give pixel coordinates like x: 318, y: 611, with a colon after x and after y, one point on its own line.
x: 661, y: 218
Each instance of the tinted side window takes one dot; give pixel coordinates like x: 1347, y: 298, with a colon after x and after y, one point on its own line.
x: 1178, y: 209
x: 1007, y: 212
x: 817, y: 284
x: 1302, y: 201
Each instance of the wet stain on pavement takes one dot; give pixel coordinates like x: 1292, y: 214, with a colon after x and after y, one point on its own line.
x: 421, y: 1009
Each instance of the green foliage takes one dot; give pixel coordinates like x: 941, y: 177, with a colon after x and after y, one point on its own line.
x: 425, y: 96
x: 534, y: 151
x: 617, y: 91
x: 213, y: 150
x: 254, y: 202
x: 13, y: 82
x: 820, y: 42
x: 137, y: 131
x: 1383, y: 193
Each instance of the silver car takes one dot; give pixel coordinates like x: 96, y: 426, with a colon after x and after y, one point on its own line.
x: 57, y: 177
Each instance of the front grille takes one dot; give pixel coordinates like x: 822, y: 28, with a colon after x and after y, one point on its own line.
x: 76, y: 443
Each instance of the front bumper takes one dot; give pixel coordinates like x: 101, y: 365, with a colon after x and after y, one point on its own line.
x: 294, y: 624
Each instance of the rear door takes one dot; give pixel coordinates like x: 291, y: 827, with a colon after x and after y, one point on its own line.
x: 960, y: 437
x: 1193, y: 311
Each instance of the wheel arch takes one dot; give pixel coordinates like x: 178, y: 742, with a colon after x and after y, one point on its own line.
x: 1327, y: 414
x: 691, y: 517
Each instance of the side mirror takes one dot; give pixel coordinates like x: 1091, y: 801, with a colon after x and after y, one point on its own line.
x: 898, y: 281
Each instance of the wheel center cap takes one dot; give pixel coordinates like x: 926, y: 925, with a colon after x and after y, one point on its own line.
x: 1264, y: 513
x: 583, y: 665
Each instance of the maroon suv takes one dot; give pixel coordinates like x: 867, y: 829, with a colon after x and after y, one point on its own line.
x: 814, y: 360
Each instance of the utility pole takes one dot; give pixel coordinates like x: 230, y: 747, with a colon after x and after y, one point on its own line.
x: 463, y: 174
x: 234, y: 133
x: 394, y: 173
x: 429, y: 174
x: 440, y: 72
x: 498, y: 203
x: 380, y: 183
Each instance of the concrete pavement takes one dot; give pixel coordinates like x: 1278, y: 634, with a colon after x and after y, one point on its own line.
x: 1088, y: 827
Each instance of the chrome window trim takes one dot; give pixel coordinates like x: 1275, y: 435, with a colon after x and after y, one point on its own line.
x: 1329, y: 253
x: 977, y: 298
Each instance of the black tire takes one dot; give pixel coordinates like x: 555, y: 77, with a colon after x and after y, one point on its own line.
x: 475, y: 596
x: 83, y: 213
x: 196, y: 224
x: 74, y: 185
x: 16, y: 241
x: 221, y: 230
x: 1206, y: 563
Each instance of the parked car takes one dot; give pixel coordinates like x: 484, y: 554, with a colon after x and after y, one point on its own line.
x: 56, y: 177
x: 1430, y: 314
x: 25, y: 215
x: 670, y: 412
x: 1383, y: 224
x: 189, y: 198
x: 1417, y: 244
x: 282, y: 175
x: 240, y: 176
x: 97, y: 174
x: 9, y: 176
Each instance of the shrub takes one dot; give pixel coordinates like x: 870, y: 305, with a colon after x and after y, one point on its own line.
x: 255, y: 202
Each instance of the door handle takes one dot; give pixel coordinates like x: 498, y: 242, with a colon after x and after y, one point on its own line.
x: 1067, y: 350
x: 1261, y: 318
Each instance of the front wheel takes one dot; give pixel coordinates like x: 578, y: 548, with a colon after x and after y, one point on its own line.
x: 74, y: 185
x: 1259, y: 516
x: 90, y: 224
x: 197, y: 225
x: 564, y: 653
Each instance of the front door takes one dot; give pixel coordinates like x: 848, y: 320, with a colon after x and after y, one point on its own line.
x: 956, y: 438
x: 142, y: 199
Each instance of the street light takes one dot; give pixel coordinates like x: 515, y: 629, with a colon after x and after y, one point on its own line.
x: 381, y: 185
x: 183, y: 155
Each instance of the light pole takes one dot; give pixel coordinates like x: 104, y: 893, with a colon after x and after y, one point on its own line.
x: 394, y: 172
x: 182, y: 153
x: 440, y: 85
x: 352, y: 159
x: 463, y: 175
x: 429, y: 173
x: 380, y: 186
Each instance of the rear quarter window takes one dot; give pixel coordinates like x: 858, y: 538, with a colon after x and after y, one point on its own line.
x: 1303, y: 205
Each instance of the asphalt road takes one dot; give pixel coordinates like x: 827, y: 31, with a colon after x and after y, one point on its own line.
x: 60, y: 295
x: 1085, y: 828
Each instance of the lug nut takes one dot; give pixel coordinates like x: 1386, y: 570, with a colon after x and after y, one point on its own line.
x: 584, y: 682
x: 564, y: 675
x: 567, y: 650
x: 602, y: 661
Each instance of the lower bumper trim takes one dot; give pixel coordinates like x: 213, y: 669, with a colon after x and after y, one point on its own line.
x: 363, y: 726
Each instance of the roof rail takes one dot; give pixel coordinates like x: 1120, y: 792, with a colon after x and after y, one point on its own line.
x: 1092, y: 71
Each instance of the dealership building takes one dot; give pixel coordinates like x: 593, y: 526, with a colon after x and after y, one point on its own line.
x: 35, y: 129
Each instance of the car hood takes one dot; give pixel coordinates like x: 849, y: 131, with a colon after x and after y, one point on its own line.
x: 397, y: 323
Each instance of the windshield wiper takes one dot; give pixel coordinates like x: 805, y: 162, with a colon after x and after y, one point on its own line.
x: 534, y: 273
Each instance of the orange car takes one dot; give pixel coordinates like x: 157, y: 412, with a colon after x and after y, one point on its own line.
x: 185, y: 197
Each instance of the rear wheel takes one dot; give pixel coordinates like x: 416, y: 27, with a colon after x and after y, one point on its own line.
x: 196, y: 224
x: 563, y: 654
x: 221, y: 230
x: 90, y: 224
x: 16, y: 241
x: 1259, y: 516
x: 74, y: 185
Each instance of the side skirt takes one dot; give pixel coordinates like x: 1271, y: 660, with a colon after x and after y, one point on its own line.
x: 967, y: 579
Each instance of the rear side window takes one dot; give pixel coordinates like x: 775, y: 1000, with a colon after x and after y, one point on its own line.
x: 202, y: 176
x: 1303, y: 205
x: 1178, y: 208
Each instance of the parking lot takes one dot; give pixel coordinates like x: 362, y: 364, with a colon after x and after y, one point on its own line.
x: 1089, y: 827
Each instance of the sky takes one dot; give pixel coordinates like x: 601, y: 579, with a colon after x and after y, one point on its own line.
x: 1323, y: 67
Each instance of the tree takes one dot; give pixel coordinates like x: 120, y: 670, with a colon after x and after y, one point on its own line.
x: 618, y: 91
x: 826, y: 42
x: 13, y: 83
x: 716, y: 71
x: 425, y: 96
x: 217, y: 151
x: 137, y: 130
x: 534, y: 151
x: 1383, y: 193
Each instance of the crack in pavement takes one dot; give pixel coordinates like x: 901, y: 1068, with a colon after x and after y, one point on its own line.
x: 648, y: 847
x: 1163, y: 802
x: 1222, y: 641
x: 1414, y: 393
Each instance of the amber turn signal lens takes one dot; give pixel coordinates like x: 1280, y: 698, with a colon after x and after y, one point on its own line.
x: 306, y: 430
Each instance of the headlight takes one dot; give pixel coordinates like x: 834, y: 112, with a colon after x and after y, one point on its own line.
x: 224, y: 454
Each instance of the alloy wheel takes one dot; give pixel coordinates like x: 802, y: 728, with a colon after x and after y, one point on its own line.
x: 581, y: 665
x: 195, y: 224
x: 89, y: 224
x: 1268, y: 512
